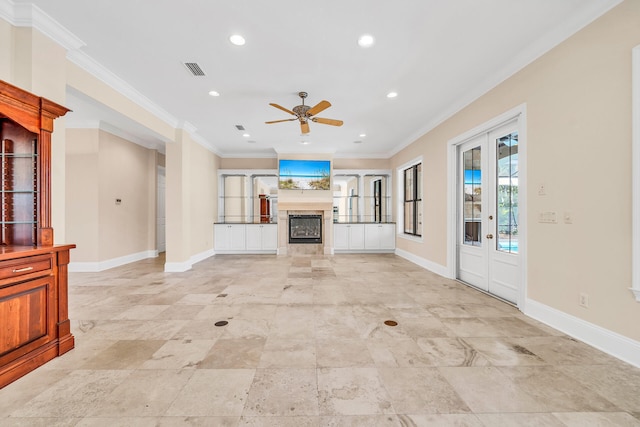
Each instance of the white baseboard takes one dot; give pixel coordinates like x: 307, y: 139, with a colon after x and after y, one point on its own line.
x: 94, y: 267
x: 424, y: 263
x: 596, y: 336
x: 180, y: 267
x: 177, y: 267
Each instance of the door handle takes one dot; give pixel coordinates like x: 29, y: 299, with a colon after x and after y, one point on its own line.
x: 489, y: 236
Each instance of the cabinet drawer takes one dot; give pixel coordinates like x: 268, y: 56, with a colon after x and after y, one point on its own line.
x: 22, y: 266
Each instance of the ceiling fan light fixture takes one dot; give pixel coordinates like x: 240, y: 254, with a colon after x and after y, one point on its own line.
x: 366, y: 40
x: 237, y: 40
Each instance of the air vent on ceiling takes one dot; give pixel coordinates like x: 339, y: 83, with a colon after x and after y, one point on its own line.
x: 239, y: 127
x: 194, y: 68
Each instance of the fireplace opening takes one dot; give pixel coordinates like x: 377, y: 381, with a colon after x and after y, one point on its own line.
x: 305, y: 228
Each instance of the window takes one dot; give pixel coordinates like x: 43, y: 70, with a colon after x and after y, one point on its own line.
x: 413, y: 200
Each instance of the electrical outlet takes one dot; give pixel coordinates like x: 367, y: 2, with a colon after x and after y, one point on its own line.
x: 541, y: 190
x: 584, y: 300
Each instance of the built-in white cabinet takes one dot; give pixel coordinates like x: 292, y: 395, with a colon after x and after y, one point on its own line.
x: 245, y: 238
x: 262, y: 237
x: 229, y: 237
x: 379, y: 236
x: 364, y: 237
x: 348, y: 237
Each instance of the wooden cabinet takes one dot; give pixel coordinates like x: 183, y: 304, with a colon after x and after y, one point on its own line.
x: 34, y: 318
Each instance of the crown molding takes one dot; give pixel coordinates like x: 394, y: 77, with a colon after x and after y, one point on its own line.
x: 113, y: 130
x: 29, y: 15
x: 96, y: 69
x: 527, y: 55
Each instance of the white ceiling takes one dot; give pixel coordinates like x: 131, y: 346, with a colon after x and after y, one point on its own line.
x: 438, y: 55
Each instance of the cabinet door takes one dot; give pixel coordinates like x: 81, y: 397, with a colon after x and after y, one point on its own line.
x: 356, y: 236
x: 341, y: 236
x: 372, y: 236
x: 387, y: 236
x: 29, y: 317
x: 237, y: 233
x: 254, y: 237
x: 221, y: 237
x: 269, y: 237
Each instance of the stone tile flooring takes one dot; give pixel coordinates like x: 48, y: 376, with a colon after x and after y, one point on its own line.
x: 306, y: 345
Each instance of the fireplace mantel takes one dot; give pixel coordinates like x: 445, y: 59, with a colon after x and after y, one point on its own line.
x: 305, y: 206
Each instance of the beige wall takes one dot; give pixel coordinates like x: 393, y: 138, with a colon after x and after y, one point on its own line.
x: 125, y: 175
x: 6, y: 51
x: 191, y: 200
x: 352, y: 164
x: 101, y: 168
x: 82, y: 219
x: 578, y: 100
x: 204, y: 199
x: 249, y: 163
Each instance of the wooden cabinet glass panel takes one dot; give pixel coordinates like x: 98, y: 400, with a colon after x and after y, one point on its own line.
x: 19, y: 185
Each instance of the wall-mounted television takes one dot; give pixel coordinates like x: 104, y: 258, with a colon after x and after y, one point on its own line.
x: 304, y: 175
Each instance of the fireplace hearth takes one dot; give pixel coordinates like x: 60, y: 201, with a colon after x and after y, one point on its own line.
x: 305, y: 228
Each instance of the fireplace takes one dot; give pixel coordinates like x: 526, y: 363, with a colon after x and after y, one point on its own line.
x: 305, y: 228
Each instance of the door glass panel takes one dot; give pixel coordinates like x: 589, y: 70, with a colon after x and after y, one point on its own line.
x: 507, y: 193
x: 472, y: 197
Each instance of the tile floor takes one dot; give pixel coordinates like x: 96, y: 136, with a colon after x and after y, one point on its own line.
x: 306, y: 345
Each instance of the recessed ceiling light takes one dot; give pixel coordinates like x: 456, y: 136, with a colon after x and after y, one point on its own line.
x: 246, y: 135
x: 366, y: 40
x: 362, y: 135
x: 305, y: 142
x: 237, y: 39
x: 214, y: 93
x: 392, y: 94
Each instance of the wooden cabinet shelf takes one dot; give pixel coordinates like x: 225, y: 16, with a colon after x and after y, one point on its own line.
x: 34, y: 318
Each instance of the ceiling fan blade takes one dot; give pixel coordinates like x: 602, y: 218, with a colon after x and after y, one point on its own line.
x: 320, y: 106
x: 279, y: 107
x: 331, y: 122
x: 305, y: 127
x: 279, y: 121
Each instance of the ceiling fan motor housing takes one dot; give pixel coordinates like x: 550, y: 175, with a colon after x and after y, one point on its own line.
x: 301, y: 111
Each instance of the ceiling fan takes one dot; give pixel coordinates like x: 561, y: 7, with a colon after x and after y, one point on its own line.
x: 304, y: 113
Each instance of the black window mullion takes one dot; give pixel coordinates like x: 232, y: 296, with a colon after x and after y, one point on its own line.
x: 412, y: 197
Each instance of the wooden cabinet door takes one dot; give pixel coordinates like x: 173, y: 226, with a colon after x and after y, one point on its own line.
x: 27, y: 323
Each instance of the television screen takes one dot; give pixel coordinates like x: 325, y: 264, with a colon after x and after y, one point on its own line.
x: 304, y: 175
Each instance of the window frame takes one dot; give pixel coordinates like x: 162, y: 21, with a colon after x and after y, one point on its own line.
x: 417, y: 231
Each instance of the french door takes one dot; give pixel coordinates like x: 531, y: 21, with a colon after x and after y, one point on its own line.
x: 488, y: 255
